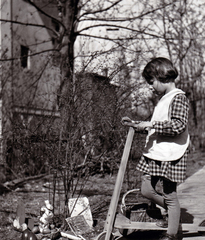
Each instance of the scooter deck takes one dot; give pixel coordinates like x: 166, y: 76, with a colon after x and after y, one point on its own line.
x: 123, y: 222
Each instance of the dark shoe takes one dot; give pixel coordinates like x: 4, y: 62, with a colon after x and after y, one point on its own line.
x: 169, y: 237
x: 163, y: 222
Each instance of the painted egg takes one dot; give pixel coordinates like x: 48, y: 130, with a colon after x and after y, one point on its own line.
x: 28, y: 235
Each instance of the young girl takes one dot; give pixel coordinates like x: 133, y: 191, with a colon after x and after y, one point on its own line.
x: 165, y: 153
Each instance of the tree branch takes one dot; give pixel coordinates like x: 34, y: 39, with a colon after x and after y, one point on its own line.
x: 44, y: 13
x: 33, y: 54
x: 27, y: 24
x: 101, y: 10
x: 123, y: 19
x: 125, y: 38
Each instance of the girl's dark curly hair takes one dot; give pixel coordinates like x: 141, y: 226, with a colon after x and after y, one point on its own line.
x: 160, y: 68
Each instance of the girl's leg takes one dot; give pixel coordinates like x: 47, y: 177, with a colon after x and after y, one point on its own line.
x: 148, y: 190
x: 172, y: 203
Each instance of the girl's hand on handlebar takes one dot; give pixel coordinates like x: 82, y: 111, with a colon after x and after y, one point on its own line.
x: 140, y: 126
x: 126, y: 121
x: 144, y: 126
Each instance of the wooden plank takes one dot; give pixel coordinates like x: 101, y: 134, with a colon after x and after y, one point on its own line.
x: 201, y: 228
x: 153, y: 226
x: 122, y: 222
x: 191, y: 194
x: 118, y: 186
x: 20, y: 213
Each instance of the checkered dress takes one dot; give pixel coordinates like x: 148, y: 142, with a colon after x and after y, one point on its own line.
x: 172, y: 170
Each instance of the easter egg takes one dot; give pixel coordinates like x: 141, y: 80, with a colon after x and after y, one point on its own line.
x: 28, y: 235
x: 35, y: 229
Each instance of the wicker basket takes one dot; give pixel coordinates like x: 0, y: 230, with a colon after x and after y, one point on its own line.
x: 138, y: 212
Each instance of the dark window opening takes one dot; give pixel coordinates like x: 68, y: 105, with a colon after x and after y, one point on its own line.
x: 24, y: 56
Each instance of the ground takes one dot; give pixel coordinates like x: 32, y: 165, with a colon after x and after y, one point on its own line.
x: 98, y: 189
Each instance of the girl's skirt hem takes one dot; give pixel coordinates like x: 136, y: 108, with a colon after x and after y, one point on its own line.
x: 175, y: 171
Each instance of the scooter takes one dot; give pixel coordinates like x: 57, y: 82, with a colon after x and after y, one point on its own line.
x: 120, y: 221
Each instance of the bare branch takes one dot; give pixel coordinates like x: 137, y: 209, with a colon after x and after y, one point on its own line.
x: 123, y: 38
x: 101, y: 10
x: 29, y: 24
x: 41, y: 11
x: 33, y: 54
x: 120, y: 68
x: 123, y: 19
x: 95, y: 55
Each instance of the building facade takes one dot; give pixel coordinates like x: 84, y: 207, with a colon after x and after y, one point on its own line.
x: 30, y: 82
x: 29, y: 79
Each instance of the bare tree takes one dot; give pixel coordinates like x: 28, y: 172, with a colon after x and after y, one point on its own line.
x: 182, y: 27
x: 115, y: 37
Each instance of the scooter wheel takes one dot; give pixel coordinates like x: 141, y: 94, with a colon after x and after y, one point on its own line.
x: 102, y: 235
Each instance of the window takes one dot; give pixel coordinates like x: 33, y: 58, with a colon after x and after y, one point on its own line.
x: 25, y: 57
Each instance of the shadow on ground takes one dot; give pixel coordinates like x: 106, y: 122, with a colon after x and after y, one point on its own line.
x: 143, y: 235
x: 186, y: 217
